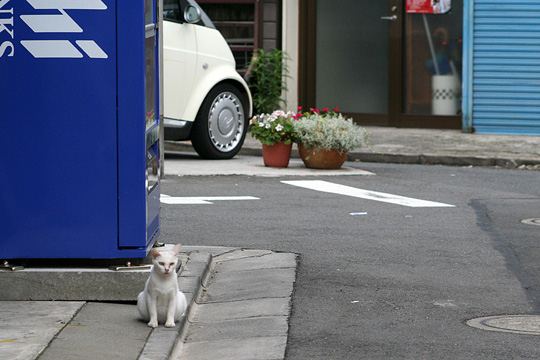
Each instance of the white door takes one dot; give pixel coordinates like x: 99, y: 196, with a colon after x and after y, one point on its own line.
x: 179, y: 60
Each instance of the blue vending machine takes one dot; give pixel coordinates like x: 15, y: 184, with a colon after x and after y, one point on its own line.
x: 79, y: 120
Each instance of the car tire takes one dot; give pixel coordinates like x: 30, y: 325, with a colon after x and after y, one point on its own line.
x: 221, y: 124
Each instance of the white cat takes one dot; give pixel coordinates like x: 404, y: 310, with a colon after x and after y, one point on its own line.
x: 161, y: 301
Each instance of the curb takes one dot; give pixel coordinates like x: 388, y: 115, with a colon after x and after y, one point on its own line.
x: 394, y: 158
x: 234, y: 315
x: 176, y: 349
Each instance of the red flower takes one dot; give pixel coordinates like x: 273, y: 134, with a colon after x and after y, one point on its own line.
x: 315, y: 110
x: 299, y: 109
x: 325, y: 109
x: 336, y: 109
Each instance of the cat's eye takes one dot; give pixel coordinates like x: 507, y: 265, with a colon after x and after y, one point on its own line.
x: 162, y: 264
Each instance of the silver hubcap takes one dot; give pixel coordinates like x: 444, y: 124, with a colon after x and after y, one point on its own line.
x: 226, y: 122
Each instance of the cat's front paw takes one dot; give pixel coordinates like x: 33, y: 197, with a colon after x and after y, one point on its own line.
x: 169, y: 324
x: 152, y: 323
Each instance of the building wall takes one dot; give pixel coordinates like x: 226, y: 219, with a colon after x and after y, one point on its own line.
x: 290, y: 47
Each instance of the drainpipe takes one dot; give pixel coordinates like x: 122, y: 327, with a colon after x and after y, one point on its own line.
x: 467, y: 83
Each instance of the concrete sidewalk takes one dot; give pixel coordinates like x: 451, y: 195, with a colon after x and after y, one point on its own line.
x: 239, y: 306
x: 429, y: 146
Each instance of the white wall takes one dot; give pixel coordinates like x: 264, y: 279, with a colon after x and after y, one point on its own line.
x: 290, y: 46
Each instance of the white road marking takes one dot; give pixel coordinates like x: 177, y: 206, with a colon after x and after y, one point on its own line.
x: 445, y: 304
x: 201, y: 200
x: 332, y: 188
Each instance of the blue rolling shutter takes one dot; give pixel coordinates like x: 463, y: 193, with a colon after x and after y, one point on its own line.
x: 506, y: 67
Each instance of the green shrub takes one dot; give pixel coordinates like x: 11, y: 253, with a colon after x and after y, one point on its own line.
x: 266, y: 78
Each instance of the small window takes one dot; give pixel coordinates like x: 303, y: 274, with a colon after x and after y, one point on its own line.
x: 171, y: 10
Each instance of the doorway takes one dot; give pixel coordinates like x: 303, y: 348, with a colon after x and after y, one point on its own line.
x: 374, y: 61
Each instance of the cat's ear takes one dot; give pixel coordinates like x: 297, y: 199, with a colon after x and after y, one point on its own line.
x: 154, y: 253
x: 177, y: 248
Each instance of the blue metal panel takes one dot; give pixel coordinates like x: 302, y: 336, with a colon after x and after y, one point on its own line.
x: 131, y: 123
x: 505, y: 62
x: 139, y: 211
x: 70, y: 130
x: 57, y: 129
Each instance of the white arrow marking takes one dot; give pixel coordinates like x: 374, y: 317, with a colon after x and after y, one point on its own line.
x: 201, y: 200
x: 332, y: 188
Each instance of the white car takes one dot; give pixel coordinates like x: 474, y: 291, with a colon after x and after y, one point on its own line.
x: 205, y: 99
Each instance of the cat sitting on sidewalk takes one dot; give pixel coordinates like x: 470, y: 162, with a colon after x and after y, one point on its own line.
x: 161, y: 301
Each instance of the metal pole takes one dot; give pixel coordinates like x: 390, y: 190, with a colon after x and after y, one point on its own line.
x: 430, y: 41
x: 161, y: 126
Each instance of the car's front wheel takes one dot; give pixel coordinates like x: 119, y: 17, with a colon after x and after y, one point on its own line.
x: 220, y: 127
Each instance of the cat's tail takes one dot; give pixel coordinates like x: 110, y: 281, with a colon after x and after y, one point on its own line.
x: 141, y: 306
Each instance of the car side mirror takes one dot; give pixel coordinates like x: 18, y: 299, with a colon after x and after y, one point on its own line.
x: 192, y: 14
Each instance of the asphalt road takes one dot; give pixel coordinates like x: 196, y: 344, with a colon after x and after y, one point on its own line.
x: 392, y: 282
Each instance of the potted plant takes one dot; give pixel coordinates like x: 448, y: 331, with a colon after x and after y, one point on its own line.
x: 276, y: 133
x: 325, y: 137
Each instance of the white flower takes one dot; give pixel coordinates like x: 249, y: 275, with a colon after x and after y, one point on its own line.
x: 261, y: 124
x: 279, y: 127
x: 268, y: 126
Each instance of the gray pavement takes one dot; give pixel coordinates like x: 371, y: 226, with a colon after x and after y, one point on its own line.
x: 239, y: 306
x: 429, y: 146
x: 240, y: 300
x: 192, y: 165
x: 243, y: 312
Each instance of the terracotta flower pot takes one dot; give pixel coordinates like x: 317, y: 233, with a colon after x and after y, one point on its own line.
x: 277, y: 155
x: 315, y: 158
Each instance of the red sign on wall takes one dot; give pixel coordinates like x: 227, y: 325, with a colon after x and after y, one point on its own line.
x: 428, y: 6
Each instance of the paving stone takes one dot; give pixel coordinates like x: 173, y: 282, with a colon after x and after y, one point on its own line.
x: 273, y: 260
x: 189, y: 284
x: 159, y: 344
x: 196, y: 264
x: 260, y: 348
x: 27, y: 327
x: 244, y: 309
x: 215, y: 312
x: 240, y: 254
x: 189, y: 297
x: 115, y: 327
x: 161, y: 341
x: 254, y: 284
x: 238, y: 329
x: 213, y: 250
